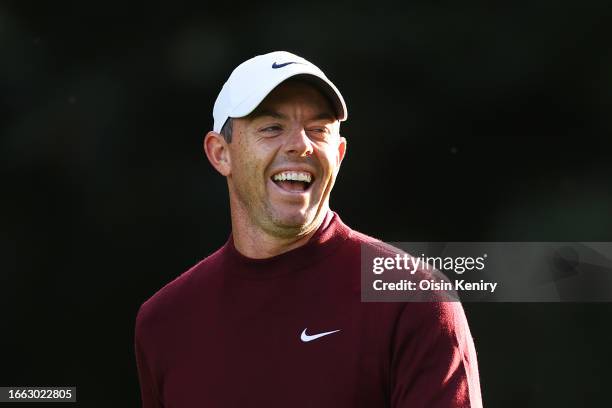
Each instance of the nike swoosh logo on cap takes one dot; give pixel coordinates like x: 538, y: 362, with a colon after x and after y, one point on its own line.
x: 306, y: 338
x: 284, y: 64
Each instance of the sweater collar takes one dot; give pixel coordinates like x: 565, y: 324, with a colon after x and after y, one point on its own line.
x: 331, y: 233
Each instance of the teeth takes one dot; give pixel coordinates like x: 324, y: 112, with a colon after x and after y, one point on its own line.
x: 293, y: 176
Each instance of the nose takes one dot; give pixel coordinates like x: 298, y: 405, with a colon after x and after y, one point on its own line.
x: 298, y: 143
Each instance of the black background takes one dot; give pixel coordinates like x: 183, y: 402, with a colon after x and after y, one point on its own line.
x: 467, y: 121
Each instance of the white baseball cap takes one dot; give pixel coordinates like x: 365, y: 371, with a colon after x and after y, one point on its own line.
x: 255, y: 78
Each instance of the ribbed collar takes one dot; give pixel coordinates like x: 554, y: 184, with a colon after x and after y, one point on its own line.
x: 331, y: 233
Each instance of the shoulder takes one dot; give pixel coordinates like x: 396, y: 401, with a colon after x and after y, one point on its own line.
x: 371, y: 244
x: 178, y: 293
x: 440, y: 319
x: 372, y: 257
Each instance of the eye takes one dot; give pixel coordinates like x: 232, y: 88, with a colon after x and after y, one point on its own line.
x: 319, y: 131
x: 270, y: 130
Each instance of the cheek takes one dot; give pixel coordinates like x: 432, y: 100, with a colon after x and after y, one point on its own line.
x: 250, y: 163
x: 329, y: 159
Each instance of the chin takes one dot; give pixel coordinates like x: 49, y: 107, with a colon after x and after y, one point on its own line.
x: 292, y: 219
x: 296, y: 220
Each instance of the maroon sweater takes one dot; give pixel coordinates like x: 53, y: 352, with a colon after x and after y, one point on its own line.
x: 228, y: 333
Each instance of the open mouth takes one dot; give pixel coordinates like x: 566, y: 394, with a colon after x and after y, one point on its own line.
x: 293, y: 181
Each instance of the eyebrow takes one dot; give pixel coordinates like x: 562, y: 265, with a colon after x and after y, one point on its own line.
x: 278, y: 115
x: 267, y: 112
x: 325, y: 115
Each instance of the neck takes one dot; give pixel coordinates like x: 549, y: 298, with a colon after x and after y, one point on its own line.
x: 254, y: 242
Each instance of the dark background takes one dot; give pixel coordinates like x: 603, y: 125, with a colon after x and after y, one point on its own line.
x: 467, y: 121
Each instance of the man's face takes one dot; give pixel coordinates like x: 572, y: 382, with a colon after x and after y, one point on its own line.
x: 284, y: 158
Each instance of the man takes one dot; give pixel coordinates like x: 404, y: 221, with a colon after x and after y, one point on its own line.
x: 274, y: 317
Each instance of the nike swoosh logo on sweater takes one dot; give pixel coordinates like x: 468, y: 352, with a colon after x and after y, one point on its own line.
x: 306, y: 338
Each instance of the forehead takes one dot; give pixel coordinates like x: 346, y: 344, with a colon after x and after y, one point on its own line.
x: 292, y: 93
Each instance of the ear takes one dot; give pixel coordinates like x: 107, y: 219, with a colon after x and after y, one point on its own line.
x: 341, y: 150
x: 217, y: 151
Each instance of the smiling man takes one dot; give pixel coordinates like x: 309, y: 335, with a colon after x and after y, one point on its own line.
x: 274, y: 318
x: 280, y: 164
